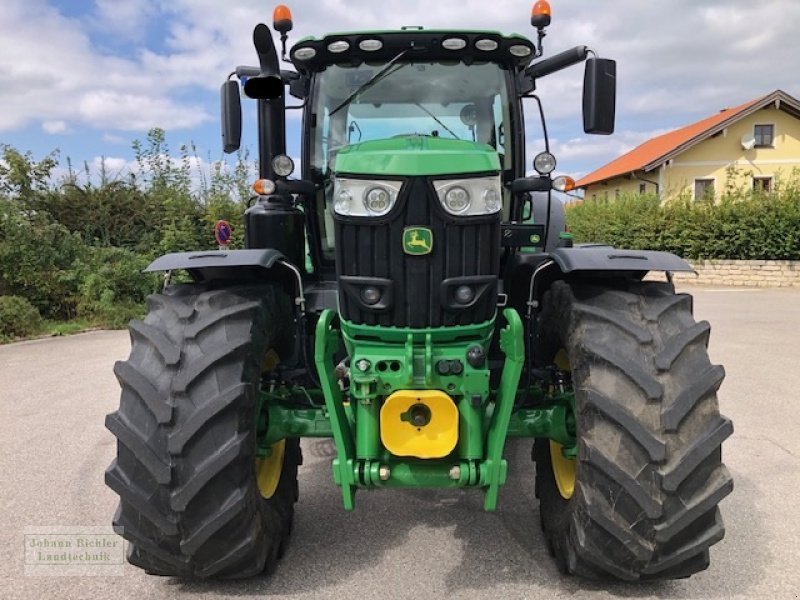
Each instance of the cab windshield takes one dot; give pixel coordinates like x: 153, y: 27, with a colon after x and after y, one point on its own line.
x: 448, y: 100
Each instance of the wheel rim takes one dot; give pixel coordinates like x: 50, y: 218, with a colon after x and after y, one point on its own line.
x: 563, y: 468
x: 269, y: 469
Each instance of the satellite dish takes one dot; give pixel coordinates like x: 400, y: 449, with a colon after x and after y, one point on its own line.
x: 748, y: 141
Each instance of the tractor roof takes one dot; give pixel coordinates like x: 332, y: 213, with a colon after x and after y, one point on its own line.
x: 353, y: 48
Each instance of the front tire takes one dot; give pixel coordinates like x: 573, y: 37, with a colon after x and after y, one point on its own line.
x: 648, y: 476
x: 185, y: 471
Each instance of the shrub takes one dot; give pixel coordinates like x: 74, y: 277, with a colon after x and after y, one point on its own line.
x: 113, y: 287
x: 740, y: 226
x: 18, y: 318
x: 37, y: 259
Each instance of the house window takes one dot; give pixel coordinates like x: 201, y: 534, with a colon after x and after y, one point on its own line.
x: 703, y: 189
x: 762, y: 185
x: 642, y: 188
x: 765, y: 136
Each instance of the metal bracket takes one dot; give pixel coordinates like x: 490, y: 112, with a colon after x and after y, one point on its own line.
x: 495, y: 468
x: 326, y: 342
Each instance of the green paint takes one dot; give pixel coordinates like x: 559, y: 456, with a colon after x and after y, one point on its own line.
x: 495, y: 471
x: 406, y: 473
x: 410, y: 155
x: 550, y: 422
x: 417, y: 240
x: 295, y: 422
x: 470, y: 424
x: 375, y: 335
x: 326, y: 342
x: 368, y: 433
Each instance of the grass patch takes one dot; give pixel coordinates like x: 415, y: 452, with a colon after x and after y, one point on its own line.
x: 59, y: 328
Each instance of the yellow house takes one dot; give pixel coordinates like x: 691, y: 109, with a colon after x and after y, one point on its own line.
x: 750, y: 146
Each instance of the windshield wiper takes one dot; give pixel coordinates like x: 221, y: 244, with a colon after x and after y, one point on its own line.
x: 371, y: 81
x: 435, y: 118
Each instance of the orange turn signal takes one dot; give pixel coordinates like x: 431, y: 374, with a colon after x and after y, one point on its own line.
x: 282, y: 19
x: 563, y: 183
x: 264, y: 187
x: 540, y: 15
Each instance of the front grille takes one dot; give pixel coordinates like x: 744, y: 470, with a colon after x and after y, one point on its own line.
x: 370, y: 251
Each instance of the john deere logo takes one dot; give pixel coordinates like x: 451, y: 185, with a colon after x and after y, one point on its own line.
x: 417, y: 240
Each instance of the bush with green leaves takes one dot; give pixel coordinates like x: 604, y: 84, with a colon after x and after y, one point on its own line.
x: 739, y: 226
x: 18, y: 318
x: 76, y: 247
x: 113, y: 287
x: 37, y: 260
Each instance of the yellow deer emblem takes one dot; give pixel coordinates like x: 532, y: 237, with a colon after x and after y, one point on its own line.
x: 417, y: 240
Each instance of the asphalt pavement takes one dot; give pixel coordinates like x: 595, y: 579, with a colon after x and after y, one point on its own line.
x: 54, y: 395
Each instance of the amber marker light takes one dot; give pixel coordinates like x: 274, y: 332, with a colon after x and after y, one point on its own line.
x: 264, y: 187
x: 282, y: 19
x: 540, y: 15
x: 563, y: 183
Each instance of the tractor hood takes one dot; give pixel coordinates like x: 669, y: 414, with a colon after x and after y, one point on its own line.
x: 411, y: 155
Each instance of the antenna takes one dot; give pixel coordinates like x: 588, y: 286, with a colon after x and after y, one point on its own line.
x: 748, y: 141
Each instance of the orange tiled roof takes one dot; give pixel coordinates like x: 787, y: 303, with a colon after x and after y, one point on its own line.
x: 650, y: 153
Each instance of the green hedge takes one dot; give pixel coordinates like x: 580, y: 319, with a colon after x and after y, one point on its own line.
x: 741, y: 226
x: 75, y: 248
x: 18, y: 318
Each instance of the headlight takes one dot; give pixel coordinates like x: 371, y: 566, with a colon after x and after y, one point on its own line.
x: 364, y: 198
x: 282, y: 165
x: 544, y: 163
x: 456, y: 200
x: 378, y: 200
x: 470, y: 197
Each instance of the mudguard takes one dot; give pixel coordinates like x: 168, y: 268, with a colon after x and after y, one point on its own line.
x: 595, y: 257
x: 218, y: 264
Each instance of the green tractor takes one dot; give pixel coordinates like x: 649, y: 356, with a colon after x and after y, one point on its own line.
x: 415, y: 298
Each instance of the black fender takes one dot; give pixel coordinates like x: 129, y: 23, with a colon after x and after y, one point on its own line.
x: 590, y: 260
x: 597, y: 257
x: 220, y: 264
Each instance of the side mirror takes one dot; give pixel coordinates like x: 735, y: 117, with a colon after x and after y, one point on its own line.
x: 599, y: 96
x: 231, y: 116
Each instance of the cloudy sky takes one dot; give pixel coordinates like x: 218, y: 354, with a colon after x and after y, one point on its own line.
x: 90, y: 76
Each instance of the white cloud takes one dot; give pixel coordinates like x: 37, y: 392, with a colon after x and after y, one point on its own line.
x: 127, y: 19
x: 137, y: 112
x: 64, y: 78
x: 114, y: 164
x: 55, y: 127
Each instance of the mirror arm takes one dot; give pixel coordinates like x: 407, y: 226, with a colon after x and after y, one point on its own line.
x: 542, y: 183
x: 245, y: 71
x: 562, y: 60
